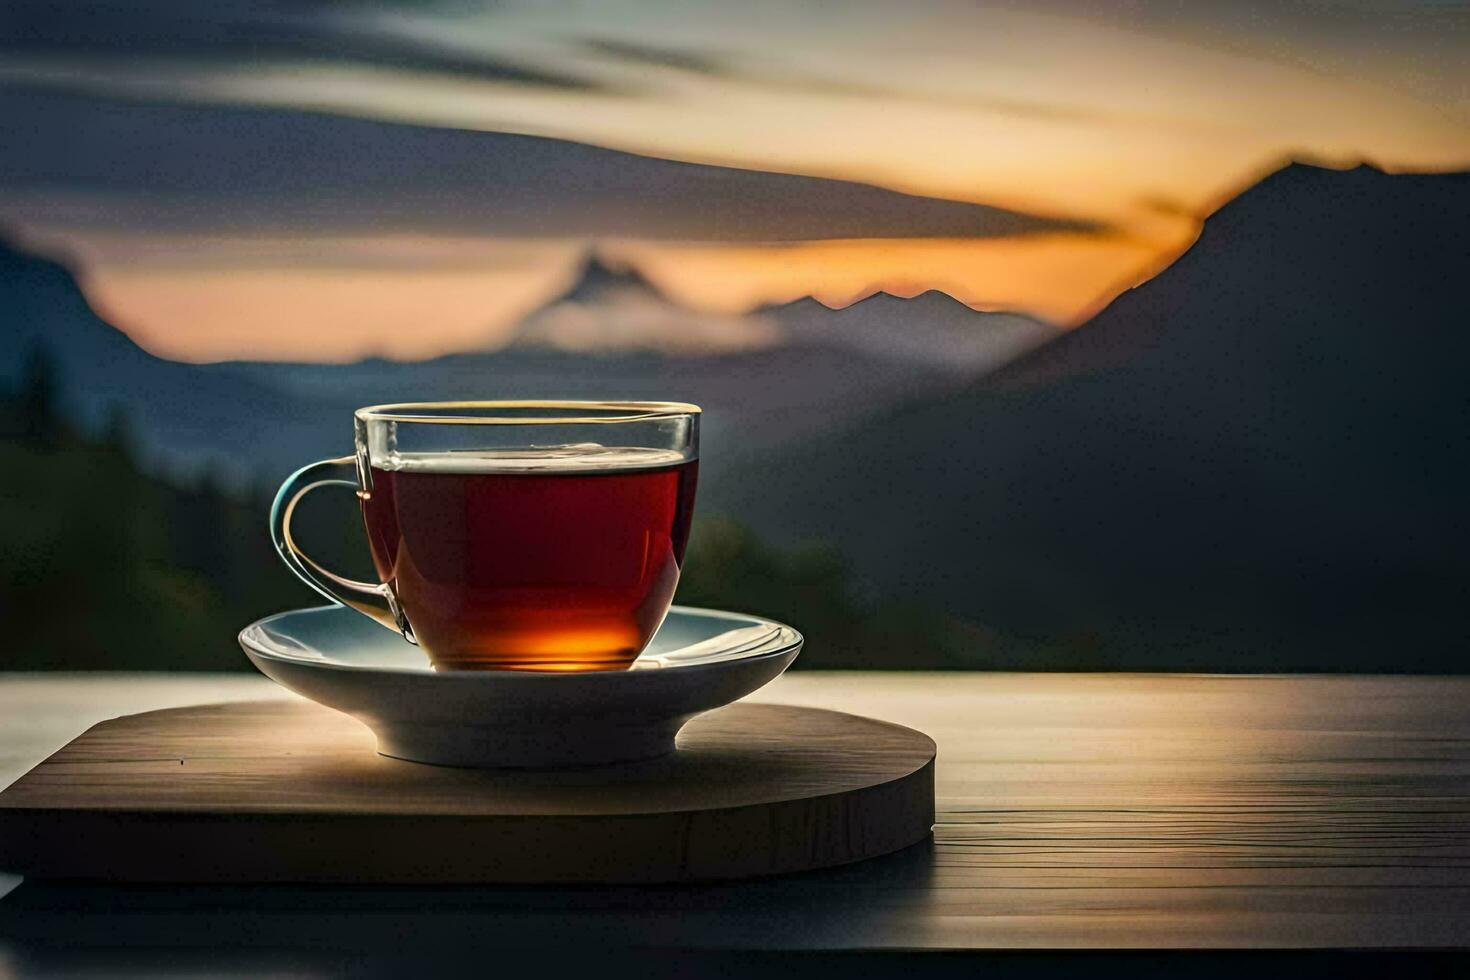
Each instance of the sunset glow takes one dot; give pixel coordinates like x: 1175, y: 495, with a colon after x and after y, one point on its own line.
x: 1140, y: 125
x: 1063, y: 278
x: 402, y: 299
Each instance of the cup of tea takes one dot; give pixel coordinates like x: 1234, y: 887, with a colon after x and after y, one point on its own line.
x: 513, y: 535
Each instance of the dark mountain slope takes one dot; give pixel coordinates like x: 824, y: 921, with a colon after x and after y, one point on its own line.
x: 180, y: 411
x: 1257, y: 460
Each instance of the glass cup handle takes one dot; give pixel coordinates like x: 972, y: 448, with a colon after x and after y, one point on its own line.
x: 372, y: 599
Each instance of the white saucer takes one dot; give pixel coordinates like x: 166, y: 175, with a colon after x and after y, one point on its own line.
x: 700, y: 659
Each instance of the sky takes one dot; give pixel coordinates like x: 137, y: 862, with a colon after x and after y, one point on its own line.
x: 329, y: 180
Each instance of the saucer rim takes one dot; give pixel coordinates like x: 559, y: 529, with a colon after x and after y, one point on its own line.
x: 791, y: 643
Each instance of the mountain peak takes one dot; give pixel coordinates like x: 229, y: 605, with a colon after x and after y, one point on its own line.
x: 1296, y: 201
x: 1254, y: 459
x: 923, y: 299
x: 14, y: 256
x: 600, y: 277
x: 934, y: 300
x: 612, y: 308
x: 1295, y: 243
x: 41, y: 303
x: 930, y: 328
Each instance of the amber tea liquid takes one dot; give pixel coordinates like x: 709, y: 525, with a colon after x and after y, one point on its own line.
x: 562, y: 559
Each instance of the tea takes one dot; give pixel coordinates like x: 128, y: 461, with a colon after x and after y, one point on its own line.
x: 555, y: 559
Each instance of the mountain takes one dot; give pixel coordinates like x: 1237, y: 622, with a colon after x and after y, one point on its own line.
x: 1255, y: 461
x: 258, y: 421
x: 610, y: 310
x: 183, y: 415
x: 617, y: 310
x: 930, y: 329
x: 599, y: 281
x: 765, y: 379
x: 753, y: 401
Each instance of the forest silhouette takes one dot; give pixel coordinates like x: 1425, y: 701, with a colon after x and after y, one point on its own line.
x: 110, y: 567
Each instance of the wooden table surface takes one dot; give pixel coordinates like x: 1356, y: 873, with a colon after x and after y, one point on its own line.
x: 1074, y: 811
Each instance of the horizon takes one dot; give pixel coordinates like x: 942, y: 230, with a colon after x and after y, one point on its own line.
x: 541, y: 329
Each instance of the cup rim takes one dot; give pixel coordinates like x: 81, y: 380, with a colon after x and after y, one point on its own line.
x: 578, y: 412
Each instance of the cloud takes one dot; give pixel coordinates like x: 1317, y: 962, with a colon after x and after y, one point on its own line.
x: 82, y: 160
x: 233, y: 33
x: 1051, y: 107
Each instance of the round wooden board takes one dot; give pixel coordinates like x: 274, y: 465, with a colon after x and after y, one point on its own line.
x: 287, y: 791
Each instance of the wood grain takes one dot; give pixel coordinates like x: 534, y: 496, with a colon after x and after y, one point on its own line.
x: 289, y: 791
x: 1097, y: 811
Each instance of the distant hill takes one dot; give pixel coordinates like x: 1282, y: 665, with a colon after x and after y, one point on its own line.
x: 182, y: 413
x: 615, y: 311
x: 1256, y: 461
x: 779, y: 375
x: 753, y: 401
x: 257, y: 421
x: 931, y: 329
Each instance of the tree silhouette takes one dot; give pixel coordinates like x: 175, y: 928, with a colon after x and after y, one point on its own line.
x: 119, y: 435
x: 40, y: 421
